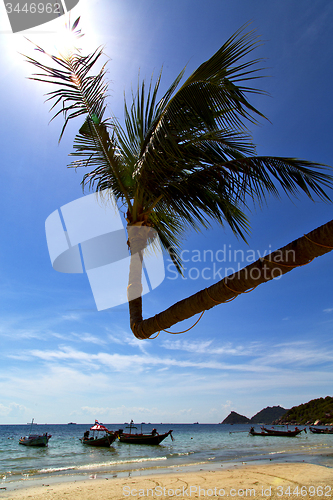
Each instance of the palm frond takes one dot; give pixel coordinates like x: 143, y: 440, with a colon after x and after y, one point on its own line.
x: 184, y: 160
x: 78, y: 94
x: 212, y: 98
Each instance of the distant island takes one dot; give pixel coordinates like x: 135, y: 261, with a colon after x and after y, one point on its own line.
x: 265, y: 416
x: 315, y: 412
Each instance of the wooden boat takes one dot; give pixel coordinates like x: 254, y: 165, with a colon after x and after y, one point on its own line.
x: 288, y: 433
x: 140, y: 438
x: 315, y: 430
x: 35, y: 439
x: 103, y: 441
x: 274, y: 432
x: 255, y: 433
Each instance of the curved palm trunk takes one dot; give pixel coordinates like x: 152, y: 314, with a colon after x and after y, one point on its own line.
x: 137, y: 241
x: 297, y: 253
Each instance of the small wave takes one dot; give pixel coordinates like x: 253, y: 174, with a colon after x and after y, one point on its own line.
x: 56, y: 469
x: 18, y: 473
x: 23, y: 458
x: 181, y: 454
x: 101, y: 464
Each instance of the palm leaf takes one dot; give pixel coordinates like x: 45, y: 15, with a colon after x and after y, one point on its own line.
x: 187, y: 159
x: 78, y: 94
x: 208, y: 100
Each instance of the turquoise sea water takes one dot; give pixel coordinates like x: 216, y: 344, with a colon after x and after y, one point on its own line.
x: 200, y: 445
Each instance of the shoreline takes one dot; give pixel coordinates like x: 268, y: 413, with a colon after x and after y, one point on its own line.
x: 18, y: 488
x: 260, y: 479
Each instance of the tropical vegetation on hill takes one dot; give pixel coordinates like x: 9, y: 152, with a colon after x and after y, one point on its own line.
x: 268, y: 415
x: 320, y: 409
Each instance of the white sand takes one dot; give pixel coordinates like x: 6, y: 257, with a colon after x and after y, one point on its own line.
x: 288, y: 481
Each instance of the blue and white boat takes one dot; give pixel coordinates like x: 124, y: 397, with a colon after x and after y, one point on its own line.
x: 35, y: 439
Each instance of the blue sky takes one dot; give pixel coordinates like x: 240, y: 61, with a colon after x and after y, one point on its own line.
x: 60, y: 359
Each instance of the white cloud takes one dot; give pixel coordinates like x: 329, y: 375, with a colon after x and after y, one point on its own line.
x: 162, y: 379
x: 135, y: 362
x: 87, y: 337
x: 71, y: 317
x: 123, y: 338
x: 296, y: 354
x: 185, y: 345
x: 67, y: 390
x: 208, y: 347
x: 260, y: 357
x: 13, y: 409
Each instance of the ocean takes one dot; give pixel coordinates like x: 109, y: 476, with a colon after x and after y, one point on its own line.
x: 195, y: 446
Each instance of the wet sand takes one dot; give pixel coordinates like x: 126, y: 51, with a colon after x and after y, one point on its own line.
x: 272, y: 481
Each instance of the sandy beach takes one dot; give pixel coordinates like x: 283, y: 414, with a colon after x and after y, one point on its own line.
x: 274, y: 481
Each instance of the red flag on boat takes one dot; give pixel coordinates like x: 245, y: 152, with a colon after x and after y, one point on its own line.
x: 98, y: 427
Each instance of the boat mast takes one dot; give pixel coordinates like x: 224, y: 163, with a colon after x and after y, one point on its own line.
x: 32, y: 423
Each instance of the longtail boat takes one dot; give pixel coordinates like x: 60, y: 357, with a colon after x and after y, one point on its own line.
x: 35, y: 439
x: 274, y: 432
x: 140, y: 438
x: 288, y: 433
x: 315, y: 430
x: 104, y: 441
x: 256, y: 433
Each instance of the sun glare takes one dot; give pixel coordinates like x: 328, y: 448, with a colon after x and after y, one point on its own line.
x: 65, y: 41
x: 54, y: 37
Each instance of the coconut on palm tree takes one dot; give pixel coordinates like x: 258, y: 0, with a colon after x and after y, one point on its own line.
x: 183, y: 160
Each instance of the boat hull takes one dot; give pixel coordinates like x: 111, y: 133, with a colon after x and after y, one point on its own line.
x: 35, y: 440
x: 102, y: 442
x: 254, y: 433
x: 321, y: 431
x: 273, y: 432
x: 153, y: 439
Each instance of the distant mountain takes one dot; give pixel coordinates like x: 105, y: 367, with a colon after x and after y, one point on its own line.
x: 268, y: 415
x: 318, y: 411
x: 235, y: 418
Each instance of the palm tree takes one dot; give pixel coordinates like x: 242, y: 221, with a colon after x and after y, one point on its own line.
x: 298, y: 253
x: 181, y: 161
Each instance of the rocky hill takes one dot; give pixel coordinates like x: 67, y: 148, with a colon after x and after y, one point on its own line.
x: 266, y: 416
x: 319, y: 411
x: 235, y: 418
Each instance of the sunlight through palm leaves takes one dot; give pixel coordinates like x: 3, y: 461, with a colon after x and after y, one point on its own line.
x: 181, y: 161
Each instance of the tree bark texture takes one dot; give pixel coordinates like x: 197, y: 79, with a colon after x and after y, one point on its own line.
x: 297, y: 253
x: 137, y: 240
